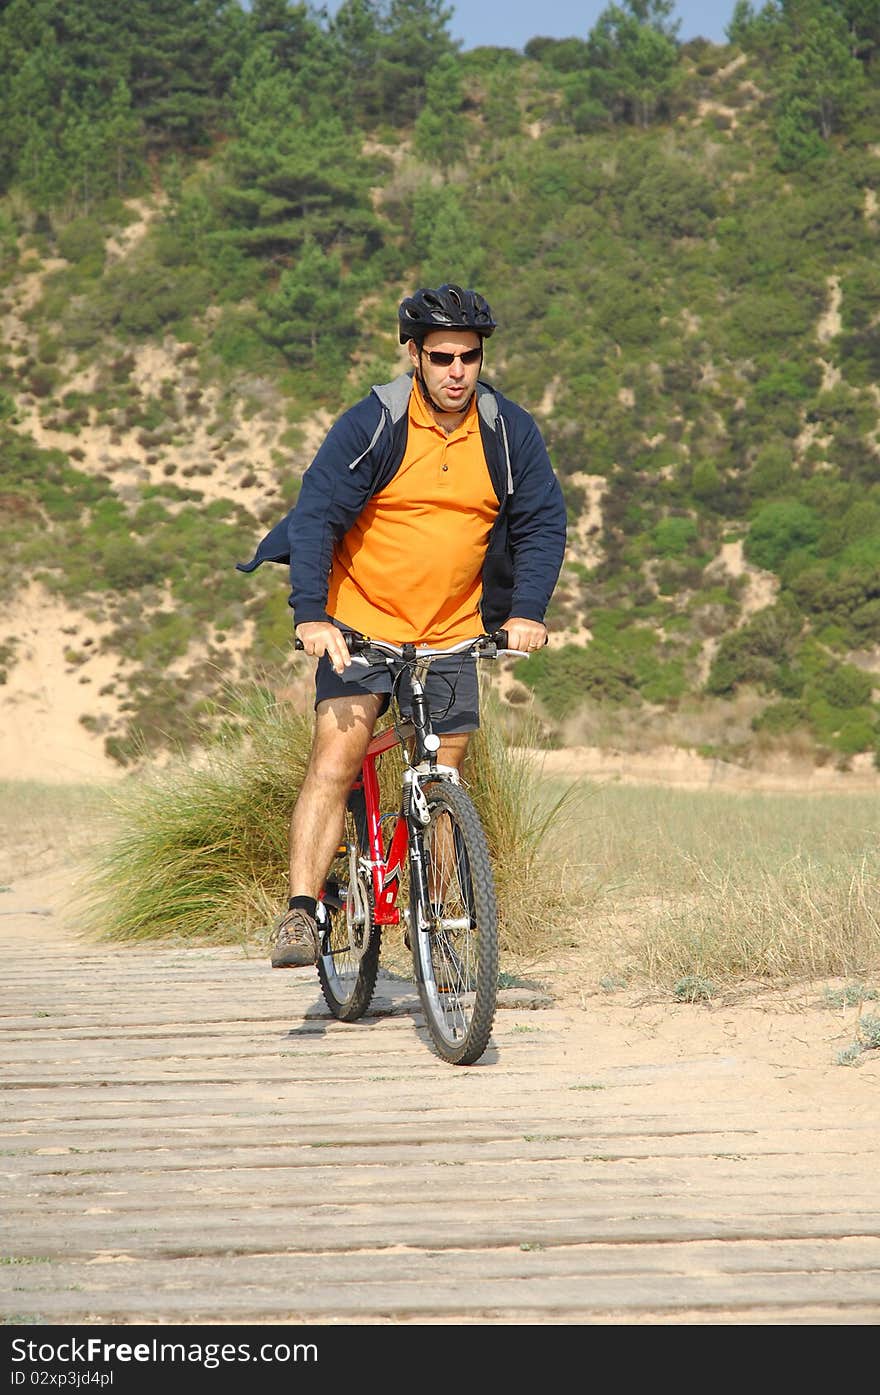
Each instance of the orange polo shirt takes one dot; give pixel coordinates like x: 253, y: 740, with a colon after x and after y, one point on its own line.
x: 410, y: 569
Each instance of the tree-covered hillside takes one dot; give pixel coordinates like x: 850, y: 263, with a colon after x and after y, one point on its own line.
x: 208, y: 215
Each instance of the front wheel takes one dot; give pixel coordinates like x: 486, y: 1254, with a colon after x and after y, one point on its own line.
x: 454, y: 925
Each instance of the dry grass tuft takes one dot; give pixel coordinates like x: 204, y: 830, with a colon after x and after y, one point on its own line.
x: 198, y: 851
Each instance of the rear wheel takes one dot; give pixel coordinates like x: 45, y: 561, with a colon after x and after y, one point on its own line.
x: 349, y: 960
x: 456, y: 956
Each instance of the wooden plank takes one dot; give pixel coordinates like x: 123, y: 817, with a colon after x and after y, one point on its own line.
x: 188, y: 1137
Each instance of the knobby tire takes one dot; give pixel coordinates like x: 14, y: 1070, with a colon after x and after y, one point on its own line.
x: 456, y: 959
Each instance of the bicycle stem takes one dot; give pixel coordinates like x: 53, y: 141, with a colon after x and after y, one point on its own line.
x: 421, y: 717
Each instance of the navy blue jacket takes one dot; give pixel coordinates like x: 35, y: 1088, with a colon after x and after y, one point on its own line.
x: 364, y: 449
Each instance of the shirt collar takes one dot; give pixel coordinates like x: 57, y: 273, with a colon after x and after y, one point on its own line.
x: 420, y: 415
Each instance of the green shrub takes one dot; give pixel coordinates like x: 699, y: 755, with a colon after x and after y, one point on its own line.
x: 781, y: 717
x: 869, y: 1031
x: 865, y: 622
x: 848, y: 730
x: 787, y: 382
x: 842, y: 685
x: 82, y: 241
x: 674, y: 537
x: 663, y: 683
x: 707, y: 484
x: 127, y: 566
x: 850, y: 995
x: 860, y: 356
x: 42, y: 380
x: 755, y: 652
x: 858, y: 732
x: 694, y: 989
x: 779, y: 529
x: 672, y: 199
x: 562, y: 678
x: 847, y: 598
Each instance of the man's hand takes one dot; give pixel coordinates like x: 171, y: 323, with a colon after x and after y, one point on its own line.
x: 320, y: 637
x: 527, y: 635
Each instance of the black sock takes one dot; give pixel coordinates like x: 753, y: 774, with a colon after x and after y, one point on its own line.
x: 303, y: 903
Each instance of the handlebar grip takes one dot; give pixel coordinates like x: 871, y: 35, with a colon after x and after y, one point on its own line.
x: 354, y: 640
x: 500, y: 638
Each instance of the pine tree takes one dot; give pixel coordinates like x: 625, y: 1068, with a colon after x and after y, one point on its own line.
x: 290, y: 178
x: 438, y: 129
x: 31, y: 74
x: 823, y: 83
x: 445, y: 239
x: 122, y: 137
x: 355, y: 31
x: 309, y: 316
x: 283, y: 28
x: 179, y: 56
x: 633, y: 60
x: 388, y: 50
x: 415, y: 40
x: 32, y: 127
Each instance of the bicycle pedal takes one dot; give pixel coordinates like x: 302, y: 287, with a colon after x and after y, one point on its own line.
x: 334, y: 895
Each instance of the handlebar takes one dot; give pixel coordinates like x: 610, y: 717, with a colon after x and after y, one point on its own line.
x: 485, y: 646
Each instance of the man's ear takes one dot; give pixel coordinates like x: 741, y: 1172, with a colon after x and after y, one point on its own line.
x: 413, y: 351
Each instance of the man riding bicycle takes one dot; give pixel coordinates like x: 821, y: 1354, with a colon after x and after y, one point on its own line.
x: 430, y: 513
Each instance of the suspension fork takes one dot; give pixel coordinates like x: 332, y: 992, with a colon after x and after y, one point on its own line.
x: 418, y: 879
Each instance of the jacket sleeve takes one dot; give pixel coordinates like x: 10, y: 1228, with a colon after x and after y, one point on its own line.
x: 536, y: 520
x: 334, y: 489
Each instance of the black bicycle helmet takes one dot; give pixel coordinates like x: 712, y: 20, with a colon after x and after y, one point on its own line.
x: 449, y: 307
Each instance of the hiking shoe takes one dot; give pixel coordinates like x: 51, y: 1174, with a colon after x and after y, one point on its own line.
x: 297, y: 942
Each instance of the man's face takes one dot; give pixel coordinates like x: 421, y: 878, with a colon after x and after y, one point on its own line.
x: 450, y: 385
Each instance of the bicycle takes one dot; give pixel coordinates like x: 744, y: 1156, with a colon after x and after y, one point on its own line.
x: 448, y: 898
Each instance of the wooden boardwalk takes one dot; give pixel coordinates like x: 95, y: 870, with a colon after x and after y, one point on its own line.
x: 187, y: 1137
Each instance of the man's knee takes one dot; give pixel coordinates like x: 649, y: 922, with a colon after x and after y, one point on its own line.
x: 332, y: 767
x: 343, y: 728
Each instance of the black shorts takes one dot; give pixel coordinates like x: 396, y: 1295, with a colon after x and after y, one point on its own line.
x: 452, y: 689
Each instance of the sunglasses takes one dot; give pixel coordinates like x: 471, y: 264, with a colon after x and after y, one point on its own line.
x: 443, y: 360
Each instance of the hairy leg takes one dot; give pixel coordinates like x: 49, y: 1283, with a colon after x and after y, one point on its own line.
x: 343, y: 727
x: 453, y: 749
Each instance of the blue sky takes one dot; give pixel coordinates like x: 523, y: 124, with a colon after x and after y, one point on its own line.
x: 511, y: 23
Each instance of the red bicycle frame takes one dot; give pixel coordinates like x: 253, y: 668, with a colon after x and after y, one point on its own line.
x: 386, y: 870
